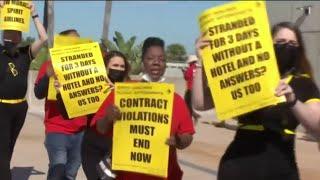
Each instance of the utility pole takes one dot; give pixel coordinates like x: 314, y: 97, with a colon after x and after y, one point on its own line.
x: 106, y: 20
x: 48, y: 20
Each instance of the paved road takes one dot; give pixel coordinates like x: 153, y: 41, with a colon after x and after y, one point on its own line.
x: 200, y: 160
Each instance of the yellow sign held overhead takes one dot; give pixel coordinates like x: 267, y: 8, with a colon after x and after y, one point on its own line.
x: 81, y: 72
x: 61, y: 40
x: 139, y: 136
x: 239, y: 63
x: 15, y: 15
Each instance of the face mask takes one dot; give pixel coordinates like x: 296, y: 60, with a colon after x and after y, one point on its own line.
x: 116, y: 75
x: 10, y: 47
x: 287, y: 57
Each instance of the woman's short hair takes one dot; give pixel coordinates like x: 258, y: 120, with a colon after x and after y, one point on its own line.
x: 151, y: 41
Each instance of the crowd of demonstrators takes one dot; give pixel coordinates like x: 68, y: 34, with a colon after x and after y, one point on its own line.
x: 63, y: 137
x: 14, y: 68
x: 265, y: 139
x: 181, y: 134
x: 263, y: 146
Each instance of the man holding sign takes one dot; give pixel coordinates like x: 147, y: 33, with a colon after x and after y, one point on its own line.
x: 14, y: 68
x: 153, y: 58
x: 263, y: 147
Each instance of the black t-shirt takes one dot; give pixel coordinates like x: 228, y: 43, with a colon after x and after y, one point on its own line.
x: 267, y: 154
x: 277, y: 118
x: 14, y: 73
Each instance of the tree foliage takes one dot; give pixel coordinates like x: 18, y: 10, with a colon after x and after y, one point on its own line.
x: 176, y: 53
x: 128, y: 48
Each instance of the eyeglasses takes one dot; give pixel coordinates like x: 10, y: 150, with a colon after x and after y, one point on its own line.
x: 13, y: 69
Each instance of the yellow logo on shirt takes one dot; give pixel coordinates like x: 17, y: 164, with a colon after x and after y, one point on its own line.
x: 13, y: 69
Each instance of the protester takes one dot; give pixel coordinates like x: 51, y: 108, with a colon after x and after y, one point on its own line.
x: 63, y: 136
x: 95, y: 147
x: 153, y: 58
x: 14, y: 68
x: 263, y: 147
x: 188, y: 76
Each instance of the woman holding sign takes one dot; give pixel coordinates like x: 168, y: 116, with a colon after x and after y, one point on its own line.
x: 14, y: 68
x: 263, y: 147
x: 95, y: 146
x: 153, y: 58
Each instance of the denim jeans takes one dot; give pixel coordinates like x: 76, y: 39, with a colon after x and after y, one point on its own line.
x: 64, y: 153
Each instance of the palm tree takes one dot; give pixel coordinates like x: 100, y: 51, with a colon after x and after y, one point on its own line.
x: 128, y: 48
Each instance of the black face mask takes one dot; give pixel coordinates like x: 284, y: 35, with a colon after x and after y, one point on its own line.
x: 11, y: 48
x: 287, y: 57
x: 116, y: 75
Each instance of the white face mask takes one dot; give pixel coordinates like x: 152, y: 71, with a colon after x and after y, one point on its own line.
x: 147, y: 78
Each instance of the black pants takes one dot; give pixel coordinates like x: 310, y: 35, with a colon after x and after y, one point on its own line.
x: 94, y: 148
x: 258, y: 155
x: 187, y: 99
x: 12, y: 117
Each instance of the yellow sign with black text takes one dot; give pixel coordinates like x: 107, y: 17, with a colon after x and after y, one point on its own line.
x: 15, y: 15
x: 139, y: 136
x: 61, y: 41
x: 82, y: 74
x: 52, y: 93
x: 240, y: 62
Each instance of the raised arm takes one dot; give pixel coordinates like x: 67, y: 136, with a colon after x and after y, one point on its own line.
x: 201, y: 97
x: 37, y: 45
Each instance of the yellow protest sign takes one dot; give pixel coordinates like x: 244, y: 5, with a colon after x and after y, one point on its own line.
x: 81, y: 72
x: 52, y: 93
x: 60, y: 41
x: 240, y: 62
x: 15, y: 15
x: 139, y: 136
